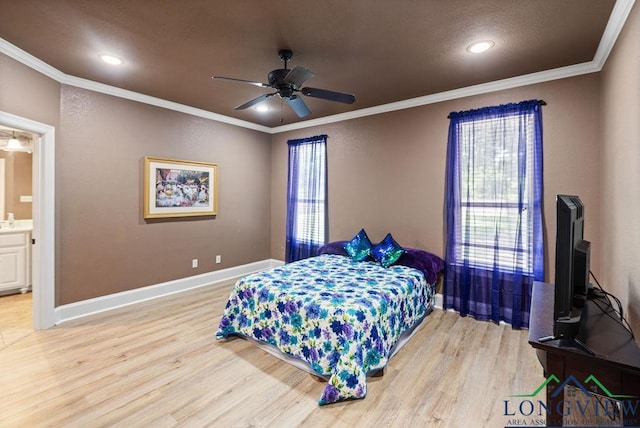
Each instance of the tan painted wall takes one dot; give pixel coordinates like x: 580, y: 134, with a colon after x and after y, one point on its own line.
x: 105, y: 244
x: 386, y: 172
x: 27, y: 93
x: 620, y: 169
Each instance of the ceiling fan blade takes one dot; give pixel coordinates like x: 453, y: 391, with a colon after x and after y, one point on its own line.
x: 262, y: 85
x: 255, y: 101
x: 297, y: 76
x: 298, y: 105
x: 329, y: 95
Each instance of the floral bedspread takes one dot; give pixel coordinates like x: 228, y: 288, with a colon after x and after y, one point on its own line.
x: 341, y: 317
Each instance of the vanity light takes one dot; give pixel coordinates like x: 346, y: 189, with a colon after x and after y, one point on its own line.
x: 480, y: 47
x: 110, y: 59
x: 13, y: 144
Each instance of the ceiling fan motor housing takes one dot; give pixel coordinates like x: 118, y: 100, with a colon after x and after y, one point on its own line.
x: 276, y: 80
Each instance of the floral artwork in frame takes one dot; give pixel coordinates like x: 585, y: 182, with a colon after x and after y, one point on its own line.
x: 179, y: 188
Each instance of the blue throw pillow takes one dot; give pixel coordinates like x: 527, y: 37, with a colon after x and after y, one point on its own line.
x: 359, y: 248
x: 388, y: 251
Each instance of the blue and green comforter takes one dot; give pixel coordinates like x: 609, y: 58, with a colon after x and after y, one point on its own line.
x: 343, y: 318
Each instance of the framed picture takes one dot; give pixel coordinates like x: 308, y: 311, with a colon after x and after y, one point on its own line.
x: 178, y: 188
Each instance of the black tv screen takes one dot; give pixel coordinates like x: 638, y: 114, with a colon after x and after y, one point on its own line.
x: 572, y: 266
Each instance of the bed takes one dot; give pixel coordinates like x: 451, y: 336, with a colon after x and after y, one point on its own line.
x: 341, y: 318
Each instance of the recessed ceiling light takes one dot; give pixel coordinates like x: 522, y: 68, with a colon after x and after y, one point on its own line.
x: 110, y: 59
x: 480, y: 47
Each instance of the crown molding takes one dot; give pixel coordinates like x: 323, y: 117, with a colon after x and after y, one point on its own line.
x: 616, y: 22
x: 618, y: 17
x: 42, y: 67
x: 30, y: 61
x: 498, y: 85
x: 159, y: 102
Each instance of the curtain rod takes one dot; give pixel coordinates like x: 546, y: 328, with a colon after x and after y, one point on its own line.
x: 541, y: 102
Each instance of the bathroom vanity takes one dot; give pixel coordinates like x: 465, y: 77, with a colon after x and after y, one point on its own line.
x: 15, y: 257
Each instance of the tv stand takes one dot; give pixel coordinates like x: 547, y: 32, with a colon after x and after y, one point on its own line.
x: 615, y: 361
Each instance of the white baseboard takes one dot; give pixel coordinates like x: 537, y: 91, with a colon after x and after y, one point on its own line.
x: 112, y: 301
x: 438, y: 300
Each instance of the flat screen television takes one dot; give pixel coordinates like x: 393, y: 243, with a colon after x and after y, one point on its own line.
x: 572, y: 268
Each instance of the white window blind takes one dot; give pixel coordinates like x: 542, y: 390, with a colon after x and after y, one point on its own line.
x: 310, y: 213
x: 496, y: 227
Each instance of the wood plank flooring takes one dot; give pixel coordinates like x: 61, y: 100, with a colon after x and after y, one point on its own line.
x: 16, y: 320
x: 157, y: 364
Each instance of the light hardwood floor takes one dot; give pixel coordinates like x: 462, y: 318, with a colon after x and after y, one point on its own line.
x: 158, y: 364
x: 15, y: 318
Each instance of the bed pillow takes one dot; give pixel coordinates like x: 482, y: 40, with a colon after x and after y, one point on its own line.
x: 335, y: 247
x: 359, y: 248
x: 388, y: 251
x: 428, y: 263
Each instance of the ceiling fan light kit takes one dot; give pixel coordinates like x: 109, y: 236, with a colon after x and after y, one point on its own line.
x: 288, y: 83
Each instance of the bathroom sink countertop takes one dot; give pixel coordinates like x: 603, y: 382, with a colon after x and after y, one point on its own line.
x: 20, y: 226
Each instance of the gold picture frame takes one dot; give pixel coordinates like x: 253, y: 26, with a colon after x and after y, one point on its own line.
x: 179, y: 188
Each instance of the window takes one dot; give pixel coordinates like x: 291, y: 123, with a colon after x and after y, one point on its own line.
x: 494, y: 248
x: 306, y: 197
x: 309, y: 196
x: 496, y: 223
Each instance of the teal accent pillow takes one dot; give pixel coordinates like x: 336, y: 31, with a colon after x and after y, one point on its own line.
x: 359, y: 248
x: 388, y: 251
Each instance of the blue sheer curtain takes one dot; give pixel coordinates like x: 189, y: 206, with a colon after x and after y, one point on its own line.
x: 495, y: 247
x: 306, y: 197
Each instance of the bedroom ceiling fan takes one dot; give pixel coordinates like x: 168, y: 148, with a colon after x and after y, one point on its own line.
x: 287, y: 84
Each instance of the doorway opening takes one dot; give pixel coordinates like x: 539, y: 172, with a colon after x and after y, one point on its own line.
x: 43, y: 213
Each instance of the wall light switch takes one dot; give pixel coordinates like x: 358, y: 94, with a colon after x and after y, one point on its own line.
x: 194, y: 263
x: 218, y: 259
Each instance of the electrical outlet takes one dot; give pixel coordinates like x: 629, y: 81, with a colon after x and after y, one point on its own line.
x: 218, y: 259
x: 194, y: 263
